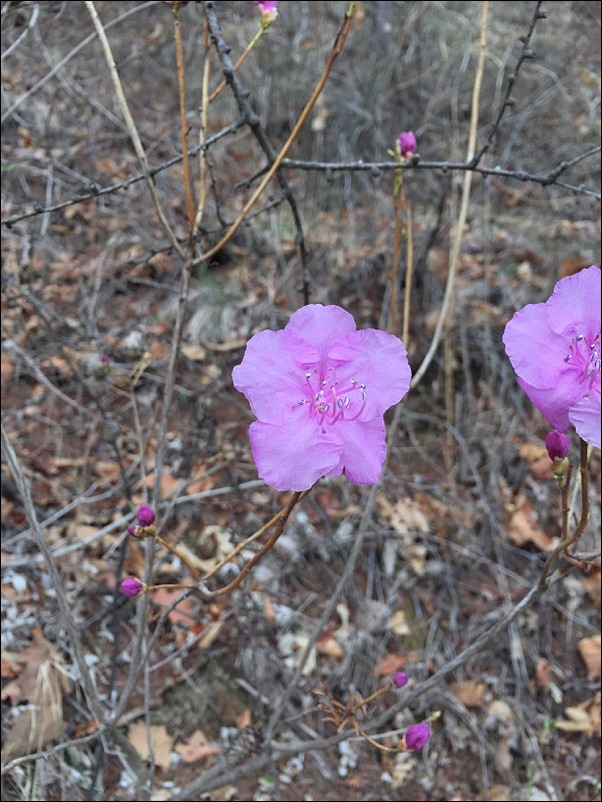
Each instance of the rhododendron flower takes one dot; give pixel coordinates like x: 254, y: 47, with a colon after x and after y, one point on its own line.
x: 146, y: 515
x: 416, y: 736
x: 268, y: 9
x: 554, y: 348
x: 319, y: 389
x: 557, y: 445
x: 131, y: 587
x: 406, y: 144
x: 400, y: 679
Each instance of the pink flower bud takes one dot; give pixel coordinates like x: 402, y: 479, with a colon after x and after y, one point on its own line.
x: 416, y: 736
x: 268, y: 9
x: 133, y: 531
x: 400, y: 679
x: 146, y: 515
x: 406, y: 144
x: 105, y: 360
x: 131, y: 587
x: 558, y: 445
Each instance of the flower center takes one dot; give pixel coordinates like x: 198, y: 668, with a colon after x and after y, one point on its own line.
x: 332, y: 401
x: 584, y: 356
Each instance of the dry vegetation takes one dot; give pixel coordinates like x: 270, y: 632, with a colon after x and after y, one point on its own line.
x: 364, y: 581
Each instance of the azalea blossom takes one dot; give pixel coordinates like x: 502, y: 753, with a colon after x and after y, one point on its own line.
x: 319, y: 389
x: 406, y: 144
x: 146, y: 515
x: 557, y: 445
x: 131, y: 586
x: 554, y: 347
x: 416, y: 736
x: 400, y: 679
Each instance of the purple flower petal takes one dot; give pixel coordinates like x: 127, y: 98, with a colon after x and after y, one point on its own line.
x: 364, y: 450
x: 321, y: 325
x: 295, y: 454
x: 272, y: 373
x: 536, y: 352
x: 377, y: 360
x: 585, y: 417
x: 416, y: 736
x: 574, y: 307
x: 554, y: 402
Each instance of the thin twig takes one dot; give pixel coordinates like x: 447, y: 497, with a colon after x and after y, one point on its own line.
x: 183, y: 122
x: 526, y: 53
x: 65, y: 606
x: 447, y: 304
x: 336, y: 49
x: 246, y: 109
x: 135, y: 179
x: 59, y: 66
x: 131, y: 126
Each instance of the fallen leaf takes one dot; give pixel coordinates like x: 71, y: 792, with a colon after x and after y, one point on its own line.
x: 593, y: 586
x: 194, y: 352
x: 543, y: 674
x: 160, y: 739
x: 195, y: 748
x: 469, y: 693
x: 584, y: 717
x: 163, y: 597
x: 390, y: 664
x: 330, y: 648
x: 404, y: 516
x: 398, y: 623
x: 589, y: 649
x: 522, y: 526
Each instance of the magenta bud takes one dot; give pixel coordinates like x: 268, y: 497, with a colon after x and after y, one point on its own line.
x: 558, y: 445
x: 416, y: 736
x: 268, y: 9
x: 131, y: 587
x: 105, y: 360
x: 400, y: 679
x: 406, y: 144
x: 132, y: 530
x: 146, y: 515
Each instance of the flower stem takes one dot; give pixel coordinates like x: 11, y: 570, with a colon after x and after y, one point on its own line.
x: 263, y: 30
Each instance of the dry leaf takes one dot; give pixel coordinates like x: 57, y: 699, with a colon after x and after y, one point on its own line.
x: 194, y: 352
x: 593, y: 586
x: 589, y: 649
x: 181, y: 613
x: 160, y: 739
x: 522, y: 526
x: 390, y: 664
x: 469, y: 693
x: 584, y: 717
x: 404, y: 516
x: 195, y: 748
x: 210, y: 635
x: 330, y: 648
x: 398, y: 623
x: 543, y: 674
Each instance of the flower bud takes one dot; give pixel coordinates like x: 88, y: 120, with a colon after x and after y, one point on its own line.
x: 132, y: 530
x: 131, y: 587
x: 105, y: 360
x: 406, y: 144
x: 416, y: 736
x: 400, y: 679
x: 557, y: 444
x: 146, y: 515
x: 268, y: 9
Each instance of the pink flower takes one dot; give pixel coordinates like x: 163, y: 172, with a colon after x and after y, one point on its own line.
x: 557, y: 444
x: 105, y: 360
x: 146, y: 515
x: 416, y: 736
x: 406, y: 144
x: 554, y: 348
x: 268, y: 9
x: 131, y: 587
x: 319, y: 389
x: 400, y: 679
